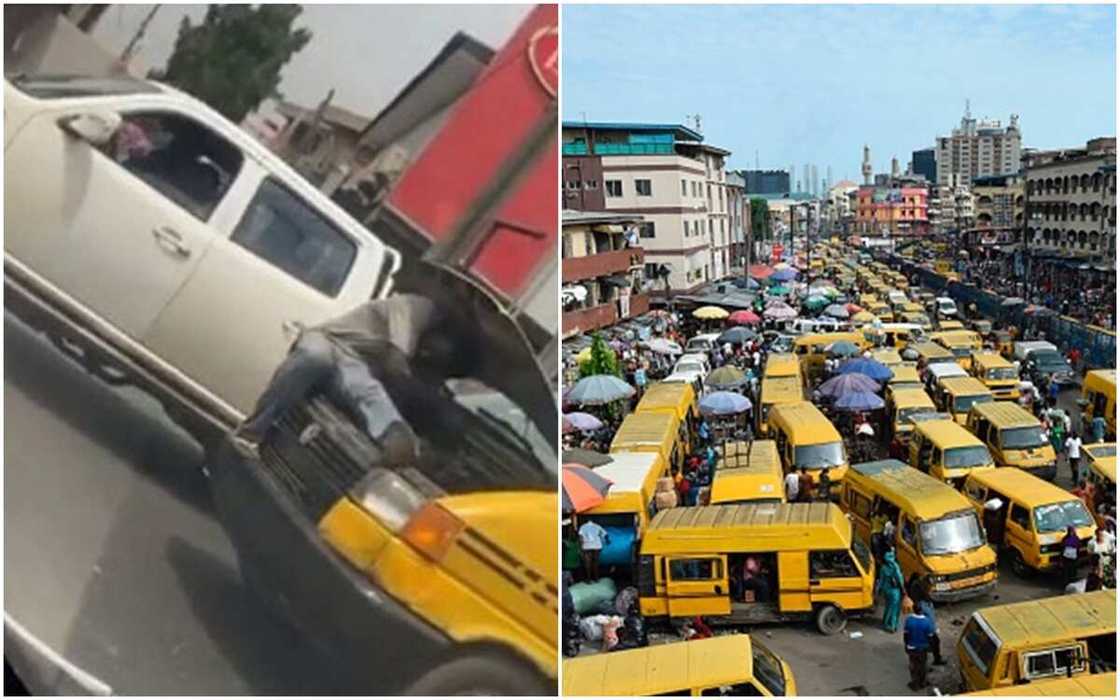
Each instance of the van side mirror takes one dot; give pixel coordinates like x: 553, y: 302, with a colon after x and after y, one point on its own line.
x: 95, y: 128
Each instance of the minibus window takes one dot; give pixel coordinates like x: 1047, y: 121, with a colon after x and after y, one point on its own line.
x: 962, y: 403
x: 860, y: 550
x: 981, y: 648
x: 768, y: 669
x: 1002, y: 373
x: 695, y: 569
x: 832, y: 564
x: 826, y: 454
x: 955, y: 533
x: 1022, y: 438
x: 1056, y: 517
x: 972, y: 456
x: 1019, y: 516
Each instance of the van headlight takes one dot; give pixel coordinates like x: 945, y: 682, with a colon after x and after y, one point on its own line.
x: 388, y: 496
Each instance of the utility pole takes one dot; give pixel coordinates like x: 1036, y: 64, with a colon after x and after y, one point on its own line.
x: 126, y: 55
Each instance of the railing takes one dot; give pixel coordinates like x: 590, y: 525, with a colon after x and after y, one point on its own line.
x: 586, y: 320
x: 574, y: 269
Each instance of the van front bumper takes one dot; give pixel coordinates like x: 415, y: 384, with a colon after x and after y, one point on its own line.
x: 955, y: 595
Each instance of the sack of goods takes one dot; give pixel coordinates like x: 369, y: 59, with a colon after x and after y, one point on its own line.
x: 664, y: 484
x: 665, y: 499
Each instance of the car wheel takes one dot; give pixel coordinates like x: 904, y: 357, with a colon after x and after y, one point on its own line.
x: 482, y: 674
x: 831, y: 620
x: 1019, y: 566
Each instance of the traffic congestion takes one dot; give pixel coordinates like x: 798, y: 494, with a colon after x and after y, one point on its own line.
x: 825, y: 477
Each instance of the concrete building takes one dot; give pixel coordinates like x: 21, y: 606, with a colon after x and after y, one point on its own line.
x: 1071, y: 194
x: 898, y: 211
x: 838, y: 201
x: 999, y: 201
x: 601, y: 271
x: 924, y: 162
x: 739, y: 215
x: 979, y: 148
x: 666, y: 174
x: 582, y: 183
x: 766, y: 181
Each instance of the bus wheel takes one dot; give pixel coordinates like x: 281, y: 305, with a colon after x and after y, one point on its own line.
x: 831, y: 620
x: 482, y: 674
x: 1018, y: 565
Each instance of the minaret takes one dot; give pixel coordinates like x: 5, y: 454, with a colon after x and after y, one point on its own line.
x: 894, y: 167
x: 866, y: 167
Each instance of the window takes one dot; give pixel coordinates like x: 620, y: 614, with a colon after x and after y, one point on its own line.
x: 644, y: 188
x: 573, y: 185
x: 182, y: 160
x: 645, y: 230
x: 684, y: 187
x: 908, y: 532
x: 590, y: 184
x: 832, y: 564
x: 282, y: 230
x: 859, y: 504
x: 1020, y: 516
x: 979, y: 645
x: 1054, y: 662
x: 695, y: 569
x: 686, y: 228
x: 614, y: 188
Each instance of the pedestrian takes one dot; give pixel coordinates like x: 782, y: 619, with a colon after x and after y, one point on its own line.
x: 924, y: 604
x: 1103, y: 543
x: 1057, y: 436
x: 791, y: 482
x: 1098, y: 425
x: 889, y: 584
x: 916, y: 636
x: 804, y: 486
x: 592, y: 537
x: 824, y: 486
x: 1052, y: 390
x: 1071, y: 543
x: 878, y: 546
x: 1073, y: 451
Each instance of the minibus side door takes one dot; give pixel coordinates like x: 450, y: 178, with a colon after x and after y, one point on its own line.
x: 835, y: 578
x: 697, y: 585
x: 907, y: 546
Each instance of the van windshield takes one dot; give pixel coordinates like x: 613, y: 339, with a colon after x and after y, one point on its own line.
x: 1022, y: 438
x: 860, y: 550
x: 953, y: 533
x: 961, y: 404
x: 971, y: 456
x: 905, y: 413
x: 768, y: 669
x: 979, y: 645
x: 826, y: 454
x: 1056, y: 517
x: 961, y: 351
x: 1001, y: 373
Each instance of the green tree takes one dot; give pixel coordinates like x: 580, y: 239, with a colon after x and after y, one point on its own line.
x: 232, y: 60
x: 602, y: 360
x: 760, y: 219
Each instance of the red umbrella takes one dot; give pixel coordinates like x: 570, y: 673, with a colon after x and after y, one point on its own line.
x: 583, y: 488
x: 745, y: 317
x: 761, y: 272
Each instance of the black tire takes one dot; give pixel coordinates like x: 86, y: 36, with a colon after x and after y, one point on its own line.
x: 1019, y: 566
x: 482, y: 674
x: 831, y: 620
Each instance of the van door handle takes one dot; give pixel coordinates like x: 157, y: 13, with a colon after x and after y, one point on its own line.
x: 171, y: 240
x: 719, y: 590
x: 814, y: 582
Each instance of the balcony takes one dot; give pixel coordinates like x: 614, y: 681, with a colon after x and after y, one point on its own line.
x: 595, y: 317
x: 601, y: 264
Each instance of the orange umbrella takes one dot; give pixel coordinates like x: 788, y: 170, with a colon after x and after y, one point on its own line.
x: 583, y: 488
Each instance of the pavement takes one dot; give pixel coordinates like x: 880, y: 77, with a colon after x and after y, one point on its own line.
x: 112, y: 553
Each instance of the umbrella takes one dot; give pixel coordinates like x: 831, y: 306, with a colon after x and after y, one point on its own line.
x: 664, y: 346
x: 864, y: 317
x: 1012, y: 301
x: 724, y: 403
x: 784, y: 275
x: 846, y: 383
x: 782, y: 266
x: 815, y: 301
x: 583, y: 488
x: 588, y: 458
x: 710, y: 313
x: 745, y: 317
x: 872, y: 368
x: 599, y: 389
x: 910, y: 354
x: 583, y: 421
x: 858, y: 401
x: 842, y: 348
x: 726, y: 377
x: 736, y: 335
x: 779, y: 312
x: 778, y: 290
x: 836, y: 311
x: 761, y: 272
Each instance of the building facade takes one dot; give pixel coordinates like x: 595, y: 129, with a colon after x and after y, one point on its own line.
x: 601, y: 271
x: 998, y: 201
x: 739, y: 217
x: 1071, y: 195
x: 924, y: 162
x: 898, y: 211
x: 766, y: 181
x: 583, y: 183
x: 979, y: 148
x: 665, y: 174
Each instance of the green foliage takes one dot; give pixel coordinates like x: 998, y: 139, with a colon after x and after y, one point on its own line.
x: 602, y: 360
x: 232, y: 60
x: 760, y: 218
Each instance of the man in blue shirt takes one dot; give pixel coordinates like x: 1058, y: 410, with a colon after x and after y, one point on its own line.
x: 916, y: 633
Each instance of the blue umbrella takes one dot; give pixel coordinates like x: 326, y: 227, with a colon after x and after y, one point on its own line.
x: 858, y: 401
x: 724, y: 403
x: 599, y: 389
x: 784, y: 275
x: 842, y: 348
x: 872, y: 368
x: 847, y: 383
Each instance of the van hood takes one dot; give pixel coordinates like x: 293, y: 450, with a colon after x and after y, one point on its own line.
x: 519, y: 524
x: 1035, y: 457
x: 943, y: 564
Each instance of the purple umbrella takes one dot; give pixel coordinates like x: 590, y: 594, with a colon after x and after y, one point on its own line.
x: 784, y: 275
x: 858, y: 401
x: 583, y: 421
x: 847, y: 383
x: 872, y: 368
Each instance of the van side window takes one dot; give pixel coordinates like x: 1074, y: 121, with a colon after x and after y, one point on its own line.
x: 974, y: 491
x: 908, y: 532
x: 936, y: 459
x: 1052, y: 662
x: 695, y: 569
x: 1020, y: 516
x: 832, y: 564
x: 859, y: 504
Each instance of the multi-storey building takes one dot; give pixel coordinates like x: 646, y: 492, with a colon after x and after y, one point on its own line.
x: 894, y: 210
x: 666, y: 174
x: 766, y: 181
x: 999, y: 201
x: 601, y: 270
x: 838, y: 204
x: 924, y: 162
x: 978, y: 148
x: 1071, y: 195
x: 739, y: 216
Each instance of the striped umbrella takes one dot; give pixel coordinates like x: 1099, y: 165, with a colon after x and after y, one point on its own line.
x: 583, y: 488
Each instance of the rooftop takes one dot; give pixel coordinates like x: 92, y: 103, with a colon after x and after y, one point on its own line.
x: 571, y: 216
x: 679, y: 131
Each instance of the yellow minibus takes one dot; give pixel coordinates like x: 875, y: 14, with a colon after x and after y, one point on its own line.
x: 748, y: 473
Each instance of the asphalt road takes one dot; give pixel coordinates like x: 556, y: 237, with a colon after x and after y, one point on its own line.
x: 112, y: 554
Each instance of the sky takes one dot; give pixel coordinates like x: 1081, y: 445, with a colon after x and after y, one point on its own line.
x: 813, y: 84
x: 366, y: 52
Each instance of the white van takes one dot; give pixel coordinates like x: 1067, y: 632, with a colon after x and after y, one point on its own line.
x: 809, y: 326
x: 702, y: 343
x: 693, y: 363
x: 1022, y: 350
x: 946, y: 307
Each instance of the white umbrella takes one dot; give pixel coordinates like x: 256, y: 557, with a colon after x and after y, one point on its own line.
x: 664, y: 346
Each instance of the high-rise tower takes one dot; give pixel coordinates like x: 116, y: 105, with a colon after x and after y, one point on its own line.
x: 866, y: 167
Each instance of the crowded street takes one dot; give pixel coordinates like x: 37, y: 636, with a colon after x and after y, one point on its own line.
x: 825, y: 379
